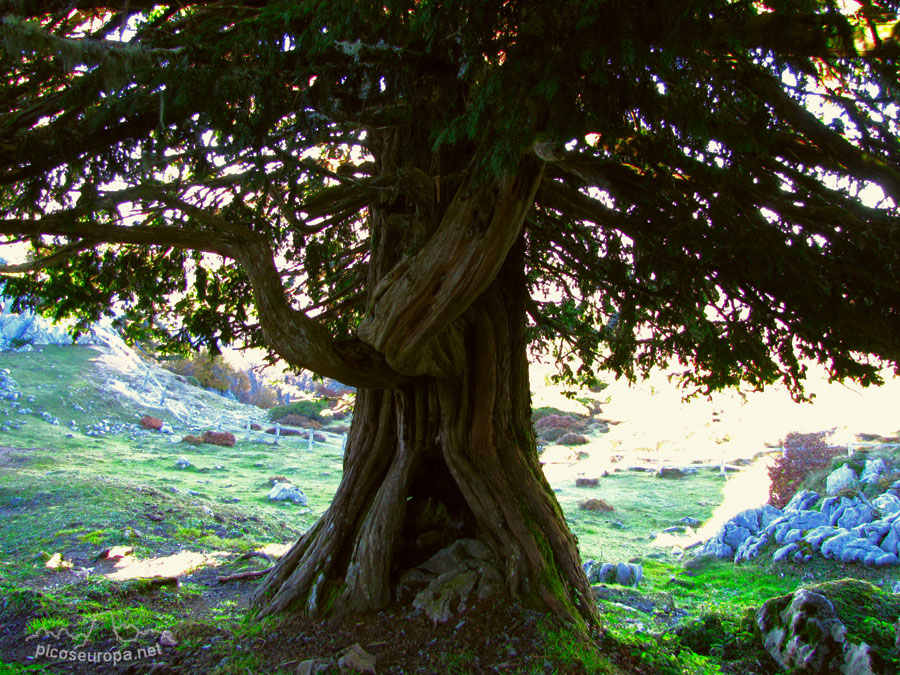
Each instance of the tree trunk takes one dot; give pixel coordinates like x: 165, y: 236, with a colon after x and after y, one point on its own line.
x: 439, y: 460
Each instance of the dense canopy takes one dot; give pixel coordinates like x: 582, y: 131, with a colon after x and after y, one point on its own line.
x: 389, y: 193
x: 700, y: 197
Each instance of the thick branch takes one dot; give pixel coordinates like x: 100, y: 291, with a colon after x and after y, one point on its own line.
x: 300, y: 340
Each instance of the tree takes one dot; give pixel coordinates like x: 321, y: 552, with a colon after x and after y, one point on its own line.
x: 407, y: 195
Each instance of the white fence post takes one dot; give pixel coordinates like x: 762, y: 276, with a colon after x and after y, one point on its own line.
x: 311, y: 439
x: 277, y: 432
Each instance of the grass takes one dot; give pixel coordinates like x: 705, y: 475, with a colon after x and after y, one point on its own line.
x: 62, y: 491
x: 643, y: 506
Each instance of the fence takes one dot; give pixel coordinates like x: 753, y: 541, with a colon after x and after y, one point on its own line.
x: 239, y: 423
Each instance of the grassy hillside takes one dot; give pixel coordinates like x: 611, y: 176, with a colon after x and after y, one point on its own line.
x: 80, y: 477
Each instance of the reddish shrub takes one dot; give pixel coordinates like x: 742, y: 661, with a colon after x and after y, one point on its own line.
x: 572, y: 439
x: 552, y: 433
x: 587, y: 482
x: 300, y: 421
x: 320, y: 438
x: 151, y: 423
x: 256, y: 427
x: 803, y: 454
x: 192, y: 440
x: 219, y: 438
x: 595, y: 505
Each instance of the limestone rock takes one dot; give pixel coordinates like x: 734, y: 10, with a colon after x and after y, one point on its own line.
x: 803, y: 632
x: 887, y: 503
x: 802, y: 501
x: 874, y: 469
x: 840, y: 479
x: 357, y: 659
x: 287, y: 492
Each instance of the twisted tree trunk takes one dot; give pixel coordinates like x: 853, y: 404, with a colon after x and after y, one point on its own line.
x: 442, y: 459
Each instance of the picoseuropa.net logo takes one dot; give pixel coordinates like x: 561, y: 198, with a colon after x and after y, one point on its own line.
x: 127, y: 637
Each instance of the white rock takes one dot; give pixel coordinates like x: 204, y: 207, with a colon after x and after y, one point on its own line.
x: 840, y: 479
x: 287, y: 492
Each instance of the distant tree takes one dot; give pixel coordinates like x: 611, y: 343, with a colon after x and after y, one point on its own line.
x: 406, y: 195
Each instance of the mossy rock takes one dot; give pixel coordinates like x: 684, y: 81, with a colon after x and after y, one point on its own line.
x: 869, y: 613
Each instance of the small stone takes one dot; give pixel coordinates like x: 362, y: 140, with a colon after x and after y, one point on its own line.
x: 167, y: 639
x: 358, y: 659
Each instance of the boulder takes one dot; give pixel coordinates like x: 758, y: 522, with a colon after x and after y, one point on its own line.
x: 802, y: 632
x: 873, y: 470
x: 286, y: 492
x: 450, y: 577
x: 802, y: 501
x: 624, y: 574
x: 840, y: 479
x: 887, y: 503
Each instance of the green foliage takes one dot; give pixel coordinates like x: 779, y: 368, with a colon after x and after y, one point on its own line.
x: 211, y: 371
x: 311, y: 409
x: 698, y: 206
x: 869, y: 613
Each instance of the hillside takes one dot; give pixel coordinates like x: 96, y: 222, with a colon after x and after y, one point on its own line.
x: 112, y: 534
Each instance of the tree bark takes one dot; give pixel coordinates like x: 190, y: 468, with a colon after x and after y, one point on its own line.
x: 435, y: 461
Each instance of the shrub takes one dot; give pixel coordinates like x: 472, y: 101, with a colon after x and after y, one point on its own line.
x: 309, y: 409
x: 572, y: 439
x: 192, y: 440
x: 595, y: 505
x: 552, y: 433
x: 148, y: 422
x: 803, y: 455
x: 587, y: 482
x: 224, y: 438
x: 293, y: 420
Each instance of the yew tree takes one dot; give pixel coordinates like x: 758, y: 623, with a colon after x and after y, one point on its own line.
x: 409, y: 195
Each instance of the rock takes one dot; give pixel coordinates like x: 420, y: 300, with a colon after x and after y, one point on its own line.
x: 849, y: 512
x: 840, y: 479
x: 802, y: 501
x: 690, y: 522
x: 167, y: 639
x: 816, y: 536
x: 802, y: 632
x: 887, y: 503
x: 287, y: 492
x: 785, y: 551
x: 314, y: 666
x: 183, y: 463
x: 447, y: 591
x: 624, y: 574
x: 873, y: 470
x: 358, y: 659
x: 594, y: 482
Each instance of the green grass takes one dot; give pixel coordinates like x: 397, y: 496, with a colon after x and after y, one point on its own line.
x: 79, y: 495
x: 644, y: 505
